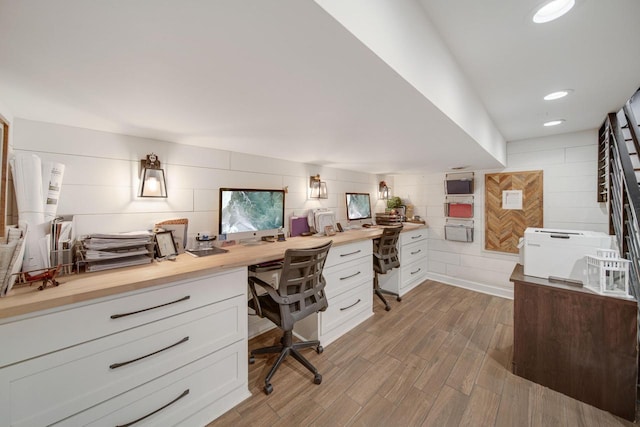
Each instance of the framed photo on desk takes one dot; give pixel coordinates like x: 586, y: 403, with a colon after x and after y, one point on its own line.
x: 165, y: 245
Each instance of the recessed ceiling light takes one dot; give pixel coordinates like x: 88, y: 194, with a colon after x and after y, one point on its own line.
x: 557, y: 95
x: 554, y: 122
x: 553, y: 10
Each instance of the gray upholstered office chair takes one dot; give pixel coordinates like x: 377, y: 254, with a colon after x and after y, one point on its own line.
x: 300, y: 293
x: 385, y: 258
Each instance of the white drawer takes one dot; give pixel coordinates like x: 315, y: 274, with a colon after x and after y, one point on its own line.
x: 55, y: 386
x: 345, y: 306
x: 344, y: 253
x: 412, y: 236
x: 73, y: 325
x: 413, y: 251
x: 414, y: 272
x: 175, y: 397
x: 343, y: 277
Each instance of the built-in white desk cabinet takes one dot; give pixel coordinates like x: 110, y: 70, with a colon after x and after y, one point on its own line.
x: 412, y: 247
x: 174, y: 354
x: 349, y: 275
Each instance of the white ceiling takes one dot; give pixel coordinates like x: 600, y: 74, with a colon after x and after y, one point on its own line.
x: 284, y: 79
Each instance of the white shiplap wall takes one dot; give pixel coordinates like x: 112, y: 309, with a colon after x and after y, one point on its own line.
x: 569, y: 164
x: 101, y: 178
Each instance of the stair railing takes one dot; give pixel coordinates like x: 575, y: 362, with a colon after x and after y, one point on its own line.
x: 624, y: 191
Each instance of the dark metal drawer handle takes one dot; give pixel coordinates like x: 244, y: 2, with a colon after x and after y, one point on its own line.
x: 347, y: 308
x: 351, y: 253
x: 416, y: 237
x: 417, y: 271
x: 184, y: 393
x: 349, y: 277
x: 118, y: 365
x: 117, y: 316
x: 416, y: 252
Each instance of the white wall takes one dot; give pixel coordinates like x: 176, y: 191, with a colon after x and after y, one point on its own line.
x: 101, y: 181
x: 569, y: 164
x: 101, y: 178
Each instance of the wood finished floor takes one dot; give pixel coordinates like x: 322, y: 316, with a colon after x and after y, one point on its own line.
x: 441, y: 357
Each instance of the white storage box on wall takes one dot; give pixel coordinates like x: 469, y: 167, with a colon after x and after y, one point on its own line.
x: 560, y: 253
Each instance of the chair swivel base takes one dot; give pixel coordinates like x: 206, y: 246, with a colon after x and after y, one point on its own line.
x: 380, y: 293
x: 285, y: 348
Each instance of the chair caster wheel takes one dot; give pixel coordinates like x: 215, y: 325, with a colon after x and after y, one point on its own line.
x: 319, y: 349
x: 268, y: 388
x: 317, y: 379
x: 399, y: 299
x: 387, y: 308
x: 252, y: 360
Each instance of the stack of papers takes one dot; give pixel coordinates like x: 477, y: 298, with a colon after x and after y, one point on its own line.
x: 105, y: 251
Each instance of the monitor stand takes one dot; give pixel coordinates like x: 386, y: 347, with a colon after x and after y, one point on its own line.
x: 251, y: 242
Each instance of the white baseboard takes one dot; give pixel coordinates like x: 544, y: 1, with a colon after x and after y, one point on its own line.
x: 473, y: 286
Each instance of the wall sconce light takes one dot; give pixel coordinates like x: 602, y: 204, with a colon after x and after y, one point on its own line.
x: 152, y: 182
x: 317, y: 188
x: 383, y: 191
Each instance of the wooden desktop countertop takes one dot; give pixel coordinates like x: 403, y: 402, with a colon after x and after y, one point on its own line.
x: 87, y: 286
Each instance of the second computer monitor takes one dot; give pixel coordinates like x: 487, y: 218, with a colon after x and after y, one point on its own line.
x: 358, y: 206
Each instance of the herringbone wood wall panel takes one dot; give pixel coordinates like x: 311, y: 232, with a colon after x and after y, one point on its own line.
x: 503, y: 227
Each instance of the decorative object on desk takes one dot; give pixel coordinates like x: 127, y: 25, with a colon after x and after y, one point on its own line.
x: 165, y: 245
x: 152, y: 180
x: 329, y: 230
x: 47, y: 277
x: 383, y: 191
x: 394, y: 202
x: 179, y: 227
x: 607, y: 273
x: 317, y: 188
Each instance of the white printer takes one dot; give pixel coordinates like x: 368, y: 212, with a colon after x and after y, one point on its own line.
x: 560, y: 253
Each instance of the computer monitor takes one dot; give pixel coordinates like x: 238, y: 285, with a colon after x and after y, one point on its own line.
x: 249, y: 214
x: 358, y: 206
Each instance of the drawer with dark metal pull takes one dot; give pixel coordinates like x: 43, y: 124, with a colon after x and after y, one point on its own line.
x: 111, y: 365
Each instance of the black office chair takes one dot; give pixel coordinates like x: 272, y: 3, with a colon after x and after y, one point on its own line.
x: 385, y: 258
x: 300, y: 293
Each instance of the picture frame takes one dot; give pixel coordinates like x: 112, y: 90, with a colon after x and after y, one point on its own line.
x: 179, y: 227
x: 165, y: 244
x: 329, y: 230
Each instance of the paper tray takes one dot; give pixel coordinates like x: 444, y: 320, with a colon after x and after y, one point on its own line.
x: 458, y: 233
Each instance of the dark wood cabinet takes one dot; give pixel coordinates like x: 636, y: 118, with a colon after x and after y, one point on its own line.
x: 577, y: 342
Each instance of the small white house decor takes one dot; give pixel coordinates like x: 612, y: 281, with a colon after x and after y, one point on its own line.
x: 607, y: 273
